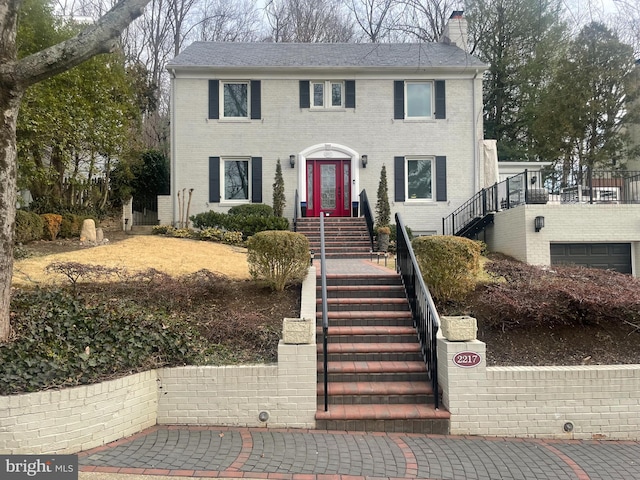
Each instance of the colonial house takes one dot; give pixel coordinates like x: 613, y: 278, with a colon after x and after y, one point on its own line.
x: 333, y: 114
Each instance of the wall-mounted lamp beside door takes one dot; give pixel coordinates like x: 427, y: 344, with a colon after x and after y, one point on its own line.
x: 292, y: 161
x: 539, y: 223
x: 364, y: 159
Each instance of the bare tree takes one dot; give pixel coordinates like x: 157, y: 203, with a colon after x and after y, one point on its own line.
x: 308, y: 21
x: 224, y: 21
x: 16, y: 75
x: 425, y: 19
x: 376, y: 18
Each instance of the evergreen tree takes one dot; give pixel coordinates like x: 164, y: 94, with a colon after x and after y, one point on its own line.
x: 586, y: 105
x: 278, y: 192
x: 383, y: 211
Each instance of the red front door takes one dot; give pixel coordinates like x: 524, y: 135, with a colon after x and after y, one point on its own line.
x: 328, y: 188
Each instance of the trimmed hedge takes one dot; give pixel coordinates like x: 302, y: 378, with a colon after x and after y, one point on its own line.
x: 248, y: 219
x: 449, y: 265
x: 29, y: 226
x: 278, y: 257
x: 71, y: 225
x: 52, y: 222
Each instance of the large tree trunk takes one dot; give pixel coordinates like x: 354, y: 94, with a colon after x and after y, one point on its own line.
x: 9, y: 105
x: 15, y: 76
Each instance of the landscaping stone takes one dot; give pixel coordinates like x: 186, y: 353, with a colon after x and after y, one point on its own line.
x: 88, y: 232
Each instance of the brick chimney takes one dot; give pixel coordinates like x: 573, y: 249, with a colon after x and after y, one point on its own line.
x: 455, y: 31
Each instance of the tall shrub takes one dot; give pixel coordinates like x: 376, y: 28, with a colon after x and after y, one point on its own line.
x: 278, y: 257
x: 449, y: 265
x: 383, y: 210
x: 278, y: 192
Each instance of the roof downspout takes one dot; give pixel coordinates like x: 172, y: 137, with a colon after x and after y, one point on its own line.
x: 476, y: 167
x: 173, y: 172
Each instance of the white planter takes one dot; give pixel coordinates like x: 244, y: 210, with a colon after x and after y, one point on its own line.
x: 297, y: 331
x: 461, y: 328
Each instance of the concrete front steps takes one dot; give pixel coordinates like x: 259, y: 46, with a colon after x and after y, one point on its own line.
x: 344, y: 236
x: 377, y: 379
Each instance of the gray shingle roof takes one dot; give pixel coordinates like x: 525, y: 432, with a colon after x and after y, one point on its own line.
x: 313, y: 55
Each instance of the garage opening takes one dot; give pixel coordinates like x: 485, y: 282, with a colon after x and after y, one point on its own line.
x: 609, y: 256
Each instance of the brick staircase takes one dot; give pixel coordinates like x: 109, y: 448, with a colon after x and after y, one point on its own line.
x: 377, y: 378
x: 344, y: 237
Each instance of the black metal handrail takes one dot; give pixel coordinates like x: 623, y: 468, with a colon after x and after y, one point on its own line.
x: 295, y: 211
x: 325, y: 313
x: 583, y: 186
x: 425, y: 315
x: 365, y: 209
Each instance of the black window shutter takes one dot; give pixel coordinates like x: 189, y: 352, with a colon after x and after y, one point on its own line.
x: 305, y: 100
x: 398, y: 178
x: 214, y: 179
x: 350, y: 93
x: 441, y: 106
x: 256, y: 113
x: 214, y: 92
x: 398, y: 99
x: 441, y: 179
x: 256, y: 179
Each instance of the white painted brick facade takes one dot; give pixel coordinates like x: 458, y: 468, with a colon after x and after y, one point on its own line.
x: 513, y: 231
x: 601, y: 402
x: 74, y: 419
x: 369, y: 129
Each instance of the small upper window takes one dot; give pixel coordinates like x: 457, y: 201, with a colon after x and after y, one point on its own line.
x: 327, y: 94
x: 236, y: 100
x: 419, y: 178
x: 418, y: 98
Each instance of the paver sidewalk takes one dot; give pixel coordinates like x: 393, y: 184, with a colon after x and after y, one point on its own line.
x: 221, y: 452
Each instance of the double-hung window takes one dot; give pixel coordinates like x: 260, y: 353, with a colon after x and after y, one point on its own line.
x: 327, y: 94
x: 419, y: 100
x: 235, y: 100
x: 419, y: 178
x: 236, y: 182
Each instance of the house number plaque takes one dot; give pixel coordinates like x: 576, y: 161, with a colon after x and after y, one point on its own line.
x: 467, y: 359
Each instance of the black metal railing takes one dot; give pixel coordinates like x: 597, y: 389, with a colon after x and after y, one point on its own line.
x: 587, y: 186
x: 425, y: 315
x: 295, y: 211
x: 325, y: 314
x: 365, y: 209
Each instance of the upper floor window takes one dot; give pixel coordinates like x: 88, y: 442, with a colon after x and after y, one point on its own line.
x: 418, y: 99
x: 236, y: 99
x: 327, y: 94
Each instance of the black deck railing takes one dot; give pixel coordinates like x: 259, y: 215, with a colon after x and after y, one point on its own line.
x: 325, y: 314
x: 589, y: 186
x: 425, y: 315
x: 365, y: 209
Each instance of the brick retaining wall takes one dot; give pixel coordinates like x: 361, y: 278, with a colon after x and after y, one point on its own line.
x: 599, y: 401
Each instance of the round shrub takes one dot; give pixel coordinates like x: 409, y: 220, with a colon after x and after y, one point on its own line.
x: 71, y: 225
x: 52, y: 223
x: 278, y: 257
x: 449, y: 265
x: 29, y: 226
x: 258, y: 209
